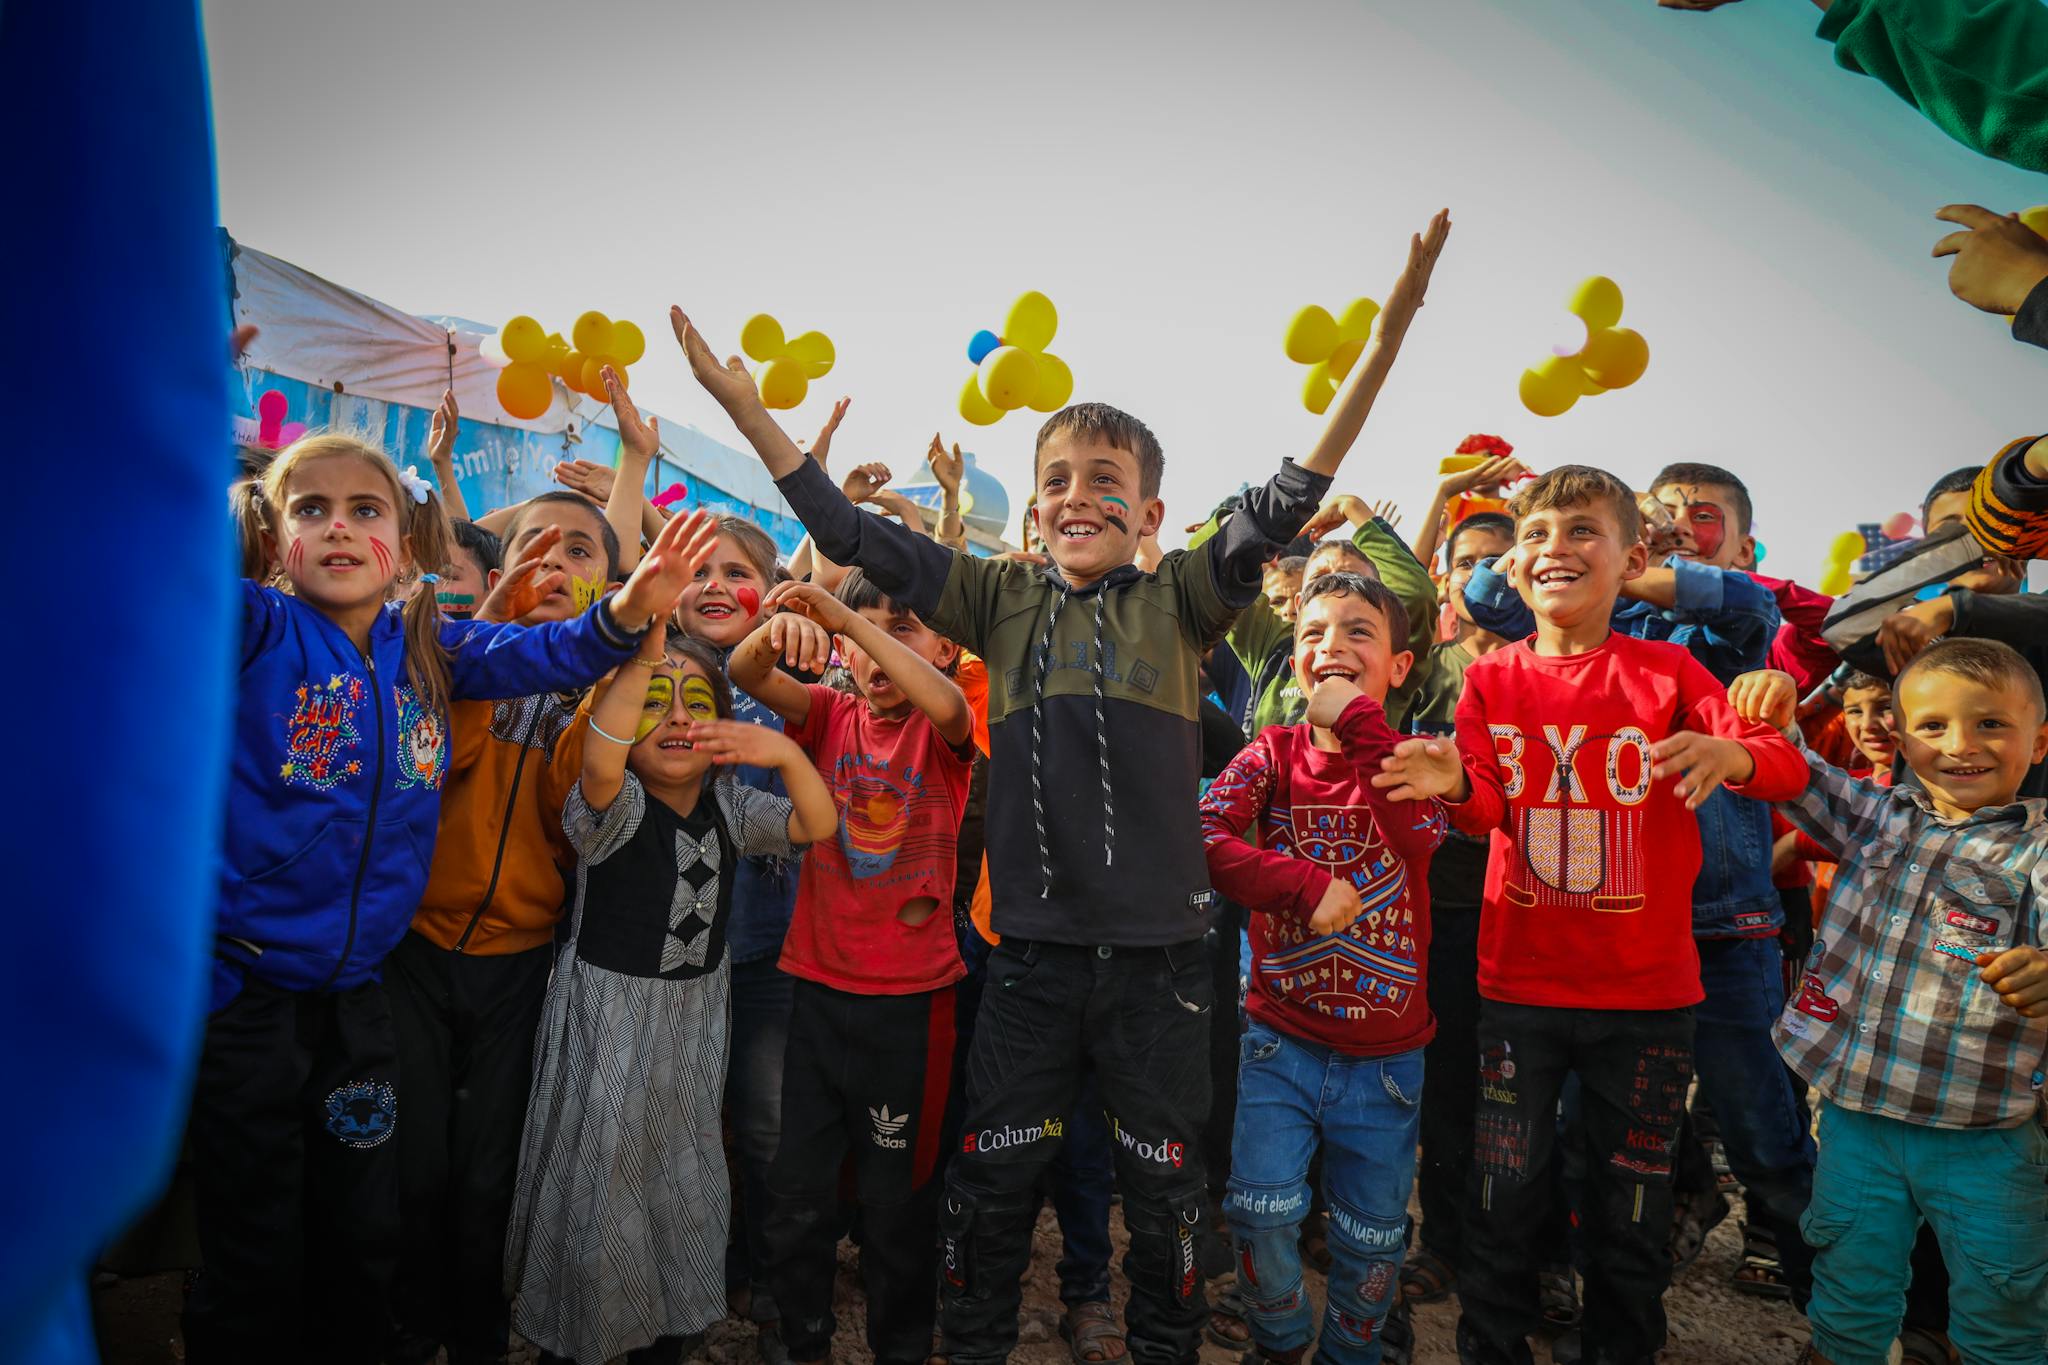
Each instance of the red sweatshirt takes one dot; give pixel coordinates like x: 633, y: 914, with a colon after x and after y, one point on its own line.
x: 1318, y: 817
x: 1588, y: 899
x: 1798, y: 648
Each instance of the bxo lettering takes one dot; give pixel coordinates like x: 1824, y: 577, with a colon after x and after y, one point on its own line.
x: 1165, y: 1151
x: 997, y: 1139
x: 1627, y: 752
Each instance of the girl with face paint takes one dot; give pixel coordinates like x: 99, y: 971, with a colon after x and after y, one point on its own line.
x: 631, y: 1053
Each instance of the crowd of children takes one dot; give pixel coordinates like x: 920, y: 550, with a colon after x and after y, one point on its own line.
x: 614, y: 918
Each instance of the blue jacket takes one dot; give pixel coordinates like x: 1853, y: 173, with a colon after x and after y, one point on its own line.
x: 336, y: 782
x: 1726, y: 620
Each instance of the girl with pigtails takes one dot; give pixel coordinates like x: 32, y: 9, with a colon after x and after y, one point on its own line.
x: 340, y: 746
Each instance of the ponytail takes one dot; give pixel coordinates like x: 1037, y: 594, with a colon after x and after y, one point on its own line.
x: 251, y: 511
x: 430, y: 540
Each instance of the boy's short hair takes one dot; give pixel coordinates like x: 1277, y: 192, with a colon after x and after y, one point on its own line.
x: 1955, y: 481
x: 858, y: 592
x: 1989, y: 663
x: 1859, y: 681
x: 486, y: 549
x: 1368, y: 590
x: 1576, y: 485
x: 1294, y: 564
x: 1113, y: 427
x: 1498, y: 522
x: 1694, y: 473
x: 606, y: 535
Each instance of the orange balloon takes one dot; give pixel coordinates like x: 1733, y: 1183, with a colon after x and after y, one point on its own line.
x: 593, y: 380
x: 524, y: 390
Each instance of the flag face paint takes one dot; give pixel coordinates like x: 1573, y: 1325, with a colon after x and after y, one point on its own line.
x: 1114, y: 511
x: 661, y: 695
x: 749, y: 600
x: 456, y: 603
x: 1709, y: 528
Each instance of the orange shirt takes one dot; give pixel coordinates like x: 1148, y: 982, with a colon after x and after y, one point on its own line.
x: 972, y: 676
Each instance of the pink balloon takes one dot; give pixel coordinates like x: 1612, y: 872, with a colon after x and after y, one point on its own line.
x: 289, y: 432
x: 1899, y: 526
x: 674, y: 493
x: 270, y: 411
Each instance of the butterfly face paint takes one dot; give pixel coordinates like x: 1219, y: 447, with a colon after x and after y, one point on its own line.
x: 585, y: 592
x: 699, y: 701
x: 1709, y: 528
x: 1115, y: 511
x: 661, y: 695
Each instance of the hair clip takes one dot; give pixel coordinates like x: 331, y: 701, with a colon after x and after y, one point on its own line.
x: 430, y: 578
x: 409, y: 478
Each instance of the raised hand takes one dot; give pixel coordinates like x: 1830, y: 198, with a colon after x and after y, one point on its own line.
x: 947, y: 469
x: 1660, y: 532
x: 1329, y: 699
x: 523, y: 586
x: 803, y: 644
x: 897, y: 505
x: 1419, y: 769
x: 592, y: 480
x: 809, y: 602
x: 1332, y: 514
x: 684, y: 545
x: 1903, y: 634
x: 1387, y: 511
x: 642, y: 437
x: 1702, y: 763
x: 865, y: 481
x: 1339, y: 908
x: 731, y: 742
x: 822, y: 446
x: 1766, y: 695
x: 1492, y: 473
x: 441, y: 432
x: 1998, y: 259
x: 1406, y: 296
x: 729, y: 384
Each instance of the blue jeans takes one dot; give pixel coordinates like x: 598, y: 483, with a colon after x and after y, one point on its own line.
x: 1083, y: 1177
x: 1984, y: 1191
x: 1366, y: 1112
x: 1763, y: 1120
x: 761, y: 997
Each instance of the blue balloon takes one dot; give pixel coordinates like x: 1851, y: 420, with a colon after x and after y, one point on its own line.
x: 984, y: 342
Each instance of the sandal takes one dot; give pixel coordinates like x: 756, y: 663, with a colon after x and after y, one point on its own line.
x: 1226, y: 1326
x: 1691, y: 1221
x: 1760, y: 1272
x: 1558, y: 1293
x: 1724, y: 1175
x: 1427, y: 1277
x: 1397, y: 1334
x: 1093, y: 1334
x: 1922, y: 1347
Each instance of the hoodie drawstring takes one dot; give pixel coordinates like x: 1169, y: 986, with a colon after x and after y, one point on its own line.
x: 1043, y: 669
x: 1102, y: 741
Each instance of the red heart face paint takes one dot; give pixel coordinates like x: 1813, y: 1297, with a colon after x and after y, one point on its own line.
x: 749, y: 600
x: 1709, y: 528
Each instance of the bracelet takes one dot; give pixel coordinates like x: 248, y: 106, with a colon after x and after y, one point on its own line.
x: 648, y: 663
x: 602, y: 733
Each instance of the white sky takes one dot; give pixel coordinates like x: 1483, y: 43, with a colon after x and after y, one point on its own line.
x: 1179, y: 178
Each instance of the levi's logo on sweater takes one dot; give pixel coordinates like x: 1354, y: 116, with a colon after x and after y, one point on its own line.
x: 1578, y: 817
x: 1369, y: 967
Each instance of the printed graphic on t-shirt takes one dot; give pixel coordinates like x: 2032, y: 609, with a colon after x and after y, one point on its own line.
x: 886, y: 823
x: 1371, y: 965
x: 1582, y: 847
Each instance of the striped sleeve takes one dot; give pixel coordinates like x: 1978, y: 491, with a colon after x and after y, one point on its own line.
x: 2009, y: 507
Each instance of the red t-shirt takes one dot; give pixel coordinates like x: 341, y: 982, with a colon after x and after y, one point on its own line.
x: 1589, y: 887
x: 901, y: 791
x: 1318, y: 817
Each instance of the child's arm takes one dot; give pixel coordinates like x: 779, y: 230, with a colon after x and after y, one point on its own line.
x: 638, y: 443
x: 929, y: 690
x: 783, y: 637
x: 2009, y: 505
x: 1750, y: 757
x: 1465, y: 776
x: 615, y: 718
x: 1736, y: 616
x: 1257, y: 878
x: 441, y: 454
x: 812, y: 815
x: 2020, y: 973
x: 947, y: 471
x: 1492, y: 598
x: 1834, y: 810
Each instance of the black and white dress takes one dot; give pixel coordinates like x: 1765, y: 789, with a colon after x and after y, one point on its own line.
x: 619, y: 1218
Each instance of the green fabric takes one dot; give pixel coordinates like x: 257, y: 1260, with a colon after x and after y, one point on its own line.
x: 1977, y: 68
x: 1433, y: 691
x: 1264, y: 643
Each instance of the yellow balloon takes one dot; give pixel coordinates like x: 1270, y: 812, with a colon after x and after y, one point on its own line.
x: 592, y: 334
x: 1356, y: 323
x: 1587, y: 388
x: 1549, y: 390
x: 569, y: 365
x: 1615, y: 357
x: 2036, y: 218
x: 593, y: 380
x: 761, y: 338
x: 557, y: 348
x: 524, y: 390
x: 1846, y: 547
x: 974, y: 405
x: 628, y: 344
x: 1031, y: 323
x: 813, y: 351
x: 1344, y: 357
x: 1055, y: 383
x: 1598, y: 301
x: 783, y: 384
x: 1835, y: 581
x: 1317, y: 390
x: 1009, y: 377
x: 1311, y: 335
x: 523, y: 339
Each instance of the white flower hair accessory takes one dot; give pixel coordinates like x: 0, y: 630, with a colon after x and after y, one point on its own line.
x: 417, y: 487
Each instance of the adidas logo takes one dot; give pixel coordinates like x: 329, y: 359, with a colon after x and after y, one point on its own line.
x: 887, y: 1126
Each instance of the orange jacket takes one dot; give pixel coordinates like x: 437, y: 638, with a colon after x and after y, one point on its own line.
x: 497, y: 883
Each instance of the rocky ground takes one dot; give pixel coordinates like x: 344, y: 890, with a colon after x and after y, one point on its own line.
x: 1710, y: 1323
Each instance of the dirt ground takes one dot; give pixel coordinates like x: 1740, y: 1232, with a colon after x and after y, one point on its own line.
x: 1710, y: 1323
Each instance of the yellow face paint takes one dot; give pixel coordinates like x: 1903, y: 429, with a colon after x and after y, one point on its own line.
x: 698, y: 699
x: 661, y: 695
x: 585, y: 592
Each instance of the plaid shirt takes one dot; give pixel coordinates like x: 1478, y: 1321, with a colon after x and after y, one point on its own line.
x: 1889, y: 1019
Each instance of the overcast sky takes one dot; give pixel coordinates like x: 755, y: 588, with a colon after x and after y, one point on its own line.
x: 1179, y: 178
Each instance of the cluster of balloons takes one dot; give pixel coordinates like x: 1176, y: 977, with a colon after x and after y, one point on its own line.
x: 1329, y: 346
x: 1613, y: 356
x: 529, y: 358
x: 1015, y: 370
x: 272, y: 431
x: 788, y: 364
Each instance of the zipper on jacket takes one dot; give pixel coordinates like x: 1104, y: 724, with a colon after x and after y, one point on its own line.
x: 355, y: 895
x: 504, y: 829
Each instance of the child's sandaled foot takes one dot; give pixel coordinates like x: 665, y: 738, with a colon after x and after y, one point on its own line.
x: 1918, y: 1346
x: 1093, y: 1335
x: 1427, y: 1277
x: 1691, y: 1221
x: 1760, y: 1273
x: 1397, y: 1335
x: 1558, y: 1293
x: 1226, y: 1326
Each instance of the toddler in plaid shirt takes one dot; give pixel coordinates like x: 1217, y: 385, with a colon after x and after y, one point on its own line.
x: 1922, y: 1018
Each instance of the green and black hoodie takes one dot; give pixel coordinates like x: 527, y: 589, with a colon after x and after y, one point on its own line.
x: 1094, y: 705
